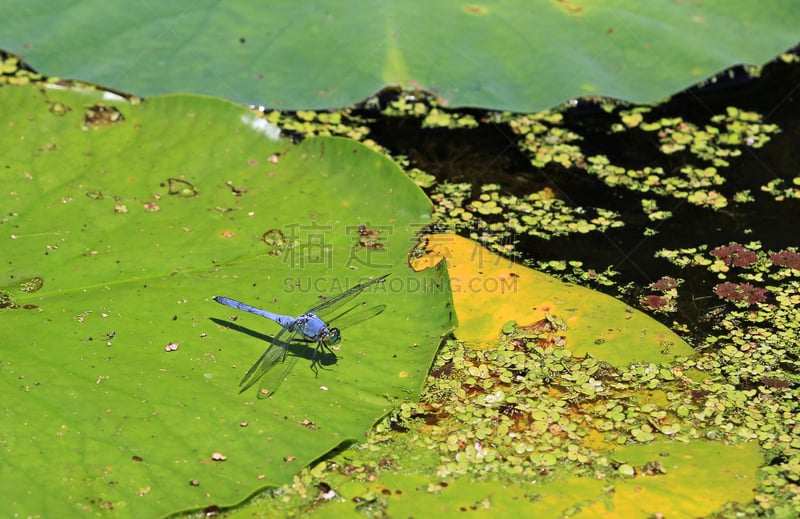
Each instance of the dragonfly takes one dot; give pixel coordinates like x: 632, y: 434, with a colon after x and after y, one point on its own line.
x: 315, y: 326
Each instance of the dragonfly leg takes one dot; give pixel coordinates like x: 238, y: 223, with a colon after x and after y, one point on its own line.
x: 317, y: 358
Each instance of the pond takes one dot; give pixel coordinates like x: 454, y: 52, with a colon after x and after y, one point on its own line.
x: 491, y: 152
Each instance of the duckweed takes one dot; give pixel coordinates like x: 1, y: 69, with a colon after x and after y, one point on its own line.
x: 495, y: 219
x: 525, y: 408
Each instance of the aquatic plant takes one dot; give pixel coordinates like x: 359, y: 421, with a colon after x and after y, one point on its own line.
x: 741, y: 292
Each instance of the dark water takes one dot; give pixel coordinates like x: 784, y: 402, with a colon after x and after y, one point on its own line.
x: 489, y: 154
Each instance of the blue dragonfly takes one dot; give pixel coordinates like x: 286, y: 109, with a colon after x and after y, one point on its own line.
x: 315, y: 325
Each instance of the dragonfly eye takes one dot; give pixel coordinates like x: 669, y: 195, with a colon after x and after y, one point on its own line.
x: 334, y: 337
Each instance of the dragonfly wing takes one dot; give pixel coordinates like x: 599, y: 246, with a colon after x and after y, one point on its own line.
x: 331, y: 304
x: 273, y: 379
x: 355, y: 315
x: 275, y: 354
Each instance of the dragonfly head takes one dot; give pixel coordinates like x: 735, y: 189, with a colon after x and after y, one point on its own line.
x: 334, y: 337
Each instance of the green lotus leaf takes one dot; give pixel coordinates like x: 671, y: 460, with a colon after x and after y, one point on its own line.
x: 119, y: 372
x: 510, y: 55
